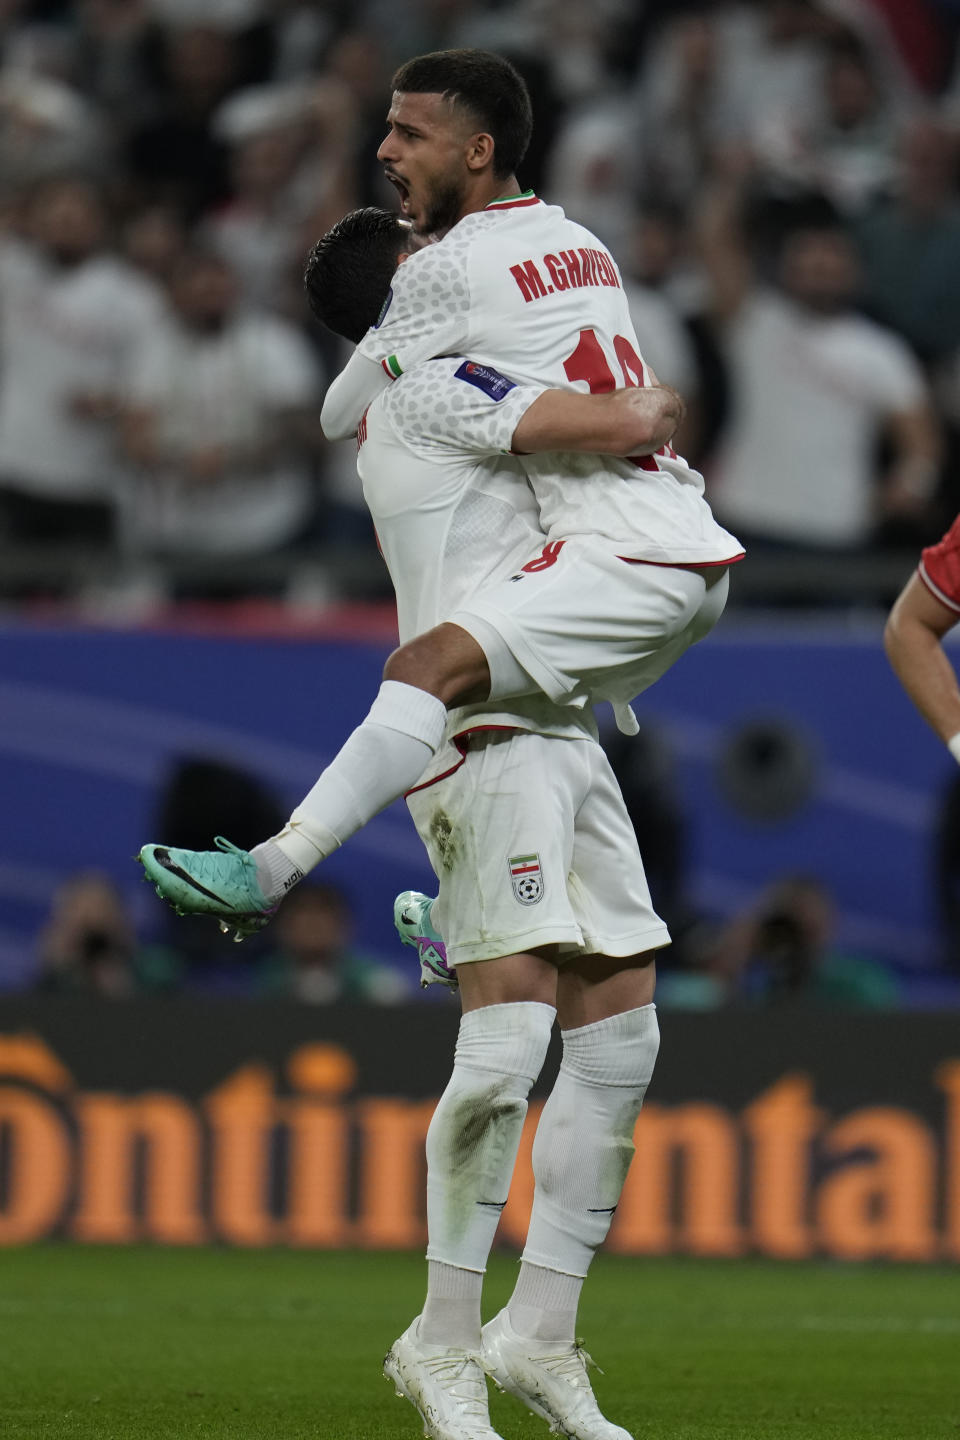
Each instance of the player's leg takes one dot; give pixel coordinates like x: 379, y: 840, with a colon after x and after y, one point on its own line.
x: 381, y: 760
x: 514, y: 799
x: 584, y: 1140
x: 584, y: 624
x: 592, y: 625
x: 508, y: 1011
x: 384, y: 757
x: 472, y: 1145
x: 475, y: 1132
x: 581, y: 1155
x: 446, y: 661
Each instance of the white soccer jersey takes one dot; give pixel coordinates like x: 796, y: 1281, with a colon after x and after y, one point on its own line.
x: 454, y: 515
x: 520, y: 288
x: 436, y: 505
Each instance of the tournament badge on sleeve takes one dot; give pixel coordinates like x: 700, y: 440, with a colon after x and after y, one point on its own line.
x: 527, y: 878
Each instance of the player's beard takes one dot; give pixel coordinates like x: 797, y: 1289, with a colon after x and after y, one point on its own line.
x: 443, y: 207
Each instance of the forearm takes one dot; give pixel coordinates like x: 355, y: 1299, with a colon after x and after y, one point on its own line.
x: 637, y: 421
x: 358, y: 384
x: 918, y: 660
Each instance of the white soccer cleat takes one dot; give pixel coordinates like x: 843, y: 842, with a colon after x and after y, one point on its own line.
x: 551, y: 1380
x: 448, y: 1387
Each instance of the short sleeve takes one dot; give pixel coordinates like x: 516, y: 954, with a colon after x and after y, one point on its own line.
x: 426, y: 314
x: 460, y: 405
x: 940, y: 568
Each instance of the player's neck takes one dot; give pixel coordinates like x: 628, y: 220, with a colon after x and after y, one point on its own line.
x: 488, y: 189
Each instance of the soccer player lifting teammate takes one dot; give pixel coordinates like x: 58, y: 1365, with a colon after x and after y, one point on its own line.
x: 633, y: 554
x: 518, y: 813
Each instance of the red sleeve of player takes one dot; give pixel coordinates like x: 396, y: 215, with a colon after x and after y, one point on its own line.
x: 940, y: 568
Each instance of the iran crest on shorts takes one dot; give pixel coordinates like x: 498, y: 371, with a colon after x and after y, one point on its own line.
x: 527, y: 878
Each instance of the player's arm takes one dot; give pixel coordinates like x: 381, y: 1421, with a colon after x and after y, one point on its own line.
x: 635, y: 421
x: 349, y: 395
x: 472, y: 408
x: 407, y: 334
x: 912, y: 638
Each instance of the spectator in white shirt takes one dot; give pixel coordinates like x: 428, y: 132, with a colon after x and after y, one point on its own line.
x: 221, y: 420
x: 70, y: 315
x: 814, y: 387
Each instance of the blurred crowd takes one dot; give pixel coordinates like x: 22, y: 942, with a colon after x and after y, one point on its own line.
x: 778, y: 179
x: 782, y: 949
x: 785, y: 946
x: 90, y: 945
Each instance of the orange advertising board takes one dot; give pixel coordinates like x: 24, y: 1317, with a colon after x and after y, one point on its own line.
x: 280, y: 1137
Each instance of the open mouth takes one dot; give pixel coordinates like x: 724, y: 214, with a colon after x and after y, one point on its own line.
x: 401, y: 190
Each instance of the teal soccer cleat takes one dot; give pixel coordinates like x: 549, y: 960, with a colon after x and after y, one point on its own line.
x: 411, y: 916
x: 221, y: 882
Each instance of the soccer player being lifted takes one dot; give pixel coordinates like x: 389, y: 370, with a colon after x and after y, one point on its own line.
x: 537, y: 860
x: 632, y: 552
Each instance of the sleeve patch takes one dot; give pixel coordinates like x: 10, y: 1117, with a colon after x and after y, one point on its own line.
x: 383, y: 310
x: 491, y: 382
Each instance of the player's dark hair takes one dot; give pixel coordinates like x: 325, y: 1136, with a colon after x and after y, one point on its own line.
x: 349, y: 271
x: 484, y: 84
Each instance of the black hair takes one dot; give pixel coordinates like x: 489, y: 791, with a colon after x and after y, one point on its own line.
x: 348, y: 272
x: 484, y: 84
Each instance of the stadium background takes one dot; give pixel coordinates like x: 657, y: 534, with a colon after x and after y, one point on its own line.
x: 180, y: 656
x: 177, y: 658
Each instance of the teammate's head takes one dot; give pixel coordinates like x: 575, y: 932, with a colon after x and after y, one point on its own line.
x: 349, y: 270
x: 460, y: 123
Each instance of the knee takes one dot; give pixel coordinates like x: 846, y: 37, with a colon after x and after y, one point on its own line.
x: 627, y: 1057
x: 412, y: 664
x: 506, y: 1041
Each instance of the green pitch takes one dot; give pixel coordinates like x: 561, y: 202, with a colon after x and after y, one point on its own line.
x: 126, y: 1345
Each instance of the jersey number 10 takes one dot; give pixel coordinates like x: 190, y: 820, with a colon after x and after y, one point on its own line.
x: 589, y: 363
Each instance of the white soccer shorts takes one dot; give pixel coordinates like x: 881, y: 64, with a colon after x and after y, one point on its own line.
x: 532, y: 845
x: 586, y: 625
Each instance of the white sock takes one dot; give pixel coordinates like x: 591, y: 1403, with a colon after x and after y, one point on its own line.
x: 584, y: 1142
x: 544, y: 1304
x: 383, y: 759
x: 451, y: 1312
x: 276, y: 873
x: 472, y: 1142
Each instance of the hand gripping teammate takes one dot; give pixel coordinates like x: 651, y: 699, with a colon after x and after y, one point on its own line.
x: 630, y: 546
